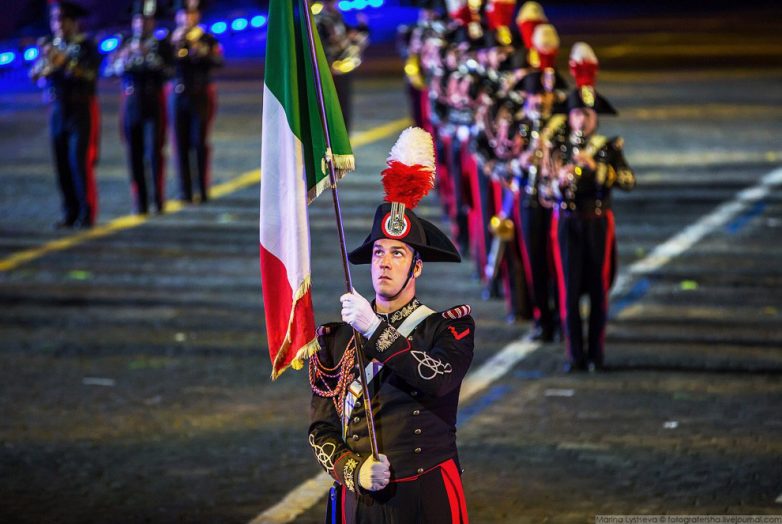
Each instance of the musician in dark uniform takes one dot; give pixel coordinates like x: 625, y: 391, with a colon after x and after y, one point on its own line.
x: 342, y: 45
x: 417, y: 360
x: 588, y: 167
x: 144, y: 62
x: 193, y: 97
x: 67, y: 68
x: 535, y: 203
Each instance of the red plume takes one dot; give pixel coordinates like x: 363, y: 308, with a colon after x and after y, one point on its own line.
x: 406, y: 184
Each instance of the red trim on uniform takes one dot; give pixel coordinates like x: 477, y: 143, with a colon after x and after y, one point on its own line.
x: 343, y: 494
x: 607, y: 268
x: 528, y: 269
x: 554, y: 231
x: 471, y: 196
x: 92, y: 158
x: 607, y: 258
x: 457, y: 335
x: 453, y: 499
x: 417, y: 475
x: 334, y: 469
x: 426, y: 111
x: 444, y: 183
x: 453, y: 486
x: 398, y: 352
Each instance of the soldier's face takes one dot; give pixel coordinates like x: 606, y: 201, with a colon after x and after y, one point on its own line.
x: 391, y: 261
x: 583, y: 120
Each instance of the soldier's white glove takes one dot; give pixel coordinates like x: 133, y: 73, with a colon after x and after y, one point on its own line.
x: 374, y: 474
x: 358, y: 312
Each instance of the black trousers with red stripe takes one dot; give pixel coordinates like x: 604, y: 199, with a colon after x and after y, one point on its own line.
x: 536, y: 244
x: 75, y: 134
x: 192, y: 114
x: 585, y: 260
x: 433, y: 497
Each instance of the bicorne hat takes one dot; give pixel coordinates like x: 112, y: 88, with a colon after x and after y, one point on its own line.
x: 407, y: 179
x: 584, y: 66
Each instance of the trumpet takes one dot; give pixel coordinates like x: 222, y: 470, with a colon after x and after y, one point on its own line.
x: 53, y: 56
x: 350, y: 57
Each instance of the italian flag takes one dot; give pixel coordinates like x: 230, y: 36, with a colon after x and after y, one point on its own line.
x: 294, y: 172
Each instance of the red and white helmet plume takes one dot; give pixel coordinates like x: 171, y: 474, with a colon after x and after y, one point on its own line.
x: 545, y: 40
x: 499, y: 13
x: 411, y: 168
x: 459, y: 10
x: 530, y: 16
x: 583, y: 64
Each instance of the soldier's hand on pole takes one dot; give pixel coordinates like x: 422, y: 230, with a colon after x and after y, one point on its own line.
x: 374, y: 475
x: 358, y: 312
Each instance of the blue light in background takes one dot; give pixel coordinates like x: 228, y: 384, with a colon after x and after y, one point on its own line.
x: 7, y: 57
x: 240, y: 24
x: 219, y: 28
x: 30, y: 54
x: 258, y: 21
x: 161, y: 33
x: 109, y: 44
x: 358, y: 5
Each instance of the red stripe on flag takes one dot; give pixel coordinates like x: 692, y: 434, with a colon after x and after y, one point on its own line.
x: 287, y: 332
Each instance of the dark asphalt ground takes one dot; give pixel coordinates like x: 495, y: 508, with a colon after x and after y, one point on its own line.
x: 184, y: 425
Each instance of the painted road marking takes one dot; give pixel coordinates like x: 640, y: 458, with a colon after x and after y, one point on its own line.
x: 246, y: 179
x: 692, y: 234
x: 307, y: 494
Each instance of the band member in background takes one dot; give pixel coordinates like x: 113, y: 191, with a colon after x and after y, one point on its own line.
x: 67, y: 68
x: 543, y: 89
x: 587, y: 167
x: 144, y: 63
x: 343, y: 46
x: 193, y: 97
x: 418, y: 360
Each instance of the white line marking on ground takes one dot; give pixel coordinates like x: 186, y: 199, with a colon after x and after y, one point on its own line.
x: 311, y: 491
x: 692, y: 234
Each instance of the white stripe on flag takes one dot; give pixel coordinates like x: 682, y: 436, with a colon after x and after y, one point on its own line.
x: 284, y: 227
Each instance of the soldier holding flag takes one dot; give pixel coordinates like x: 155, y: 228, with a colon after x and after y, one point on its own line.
x: 418, y: 360
x: 418, y: 356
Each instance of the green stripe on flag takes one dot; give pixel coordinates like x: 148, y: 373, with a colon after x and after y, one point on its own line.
x: 290, y: 76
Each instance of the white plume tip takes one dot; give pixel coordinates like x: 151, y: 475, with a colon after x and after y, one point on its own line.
x: 414, y: 146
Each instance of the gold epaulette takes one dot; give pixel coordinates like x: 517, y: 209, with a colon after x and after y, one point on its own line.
x: 554, y: 123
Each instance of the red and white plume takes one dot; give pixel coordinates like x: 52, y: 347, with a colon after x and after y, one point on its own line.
x: 499, y: 13
x: 530, y: 16
x: 545, y: 40
x: 583, y: 64
x: 410, y: 172
x: 459, y: 10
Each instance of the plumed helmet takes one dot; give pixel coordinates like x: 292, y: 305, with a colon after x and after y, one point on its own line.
x: 407, y: 179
